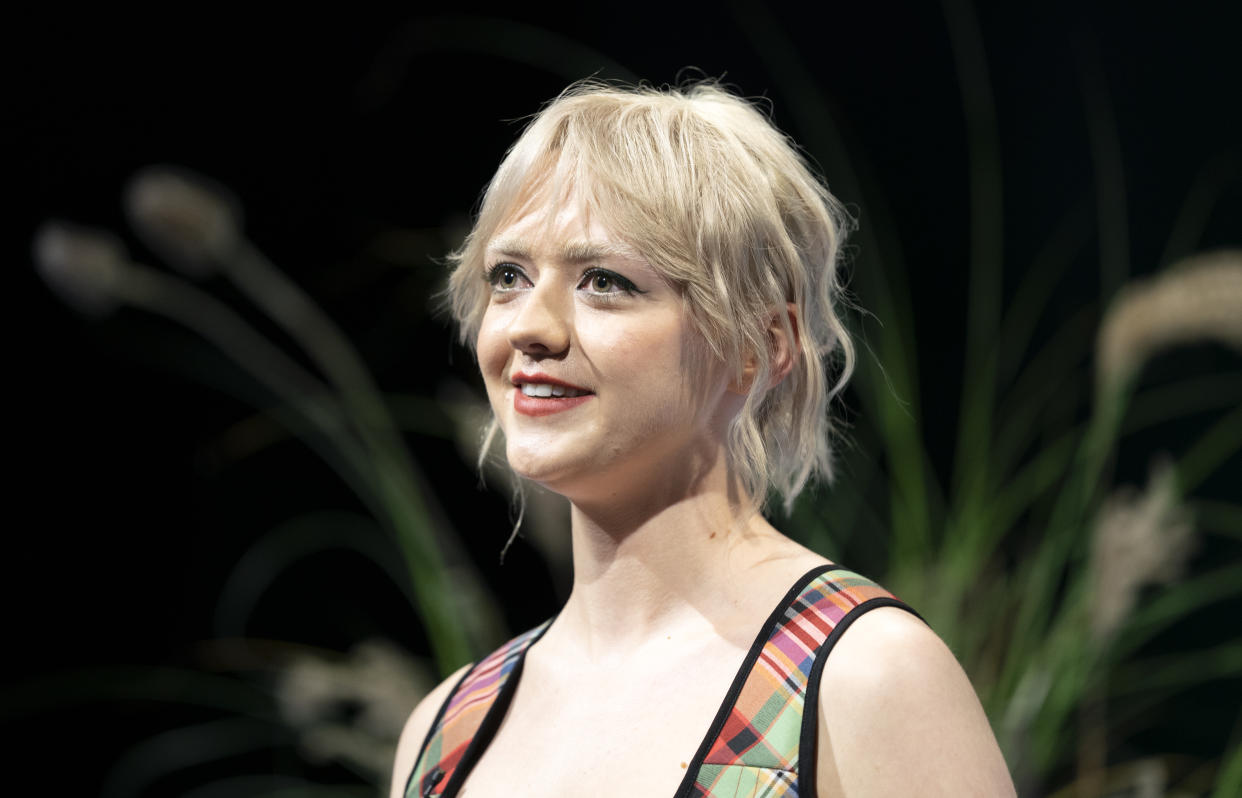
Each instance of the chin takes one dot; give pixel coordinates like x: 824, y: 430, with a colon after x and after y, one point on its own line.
x: 538, y: 467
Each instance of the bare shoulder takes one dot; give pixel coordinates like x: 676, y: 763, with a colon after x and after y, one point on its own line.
x: 897, y: 716
x: 415, y: 731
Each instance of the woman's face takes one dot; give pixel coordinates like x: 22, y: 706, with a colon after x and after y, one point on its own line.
x: 585, y: 351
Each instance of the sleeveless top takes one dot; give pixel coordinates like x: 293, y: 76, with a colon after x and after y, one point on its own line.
x: 754, y: 745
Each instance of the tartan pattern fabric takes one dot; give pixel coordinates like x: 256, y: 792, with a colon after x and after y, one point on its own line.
x: 752, y: 782
x: 462, y: 716
x: 754, y: 742
x: 756, y: 751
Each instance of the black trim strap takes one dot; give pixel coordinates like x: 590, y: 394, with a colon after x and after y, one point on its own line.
x: 739, y: 681
x: 491, y: 721
x: 808, y: 740
x: 435, y: 724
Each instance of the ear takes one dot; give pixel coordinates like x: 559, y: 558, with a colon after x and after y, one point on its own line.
x: 783, y: 351
x: 786, y: 346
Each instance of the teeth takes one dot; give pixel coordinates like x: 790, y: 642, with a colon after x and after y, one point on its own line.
x: 545, y: 390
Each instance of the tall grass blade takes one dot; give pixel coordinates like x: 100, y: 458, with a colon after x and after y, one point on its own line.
x: 972, y: 458
x: 177, y: 750
x: 1196, y: 211
x: 1229, y: 782
x: 1109, y: 172
x: 1174, y: 604
x: 454, y: 610
x: 278, y: 550
x: 1211, y: 451
x: 1031, y: 297
x: 879, y: 273
x: 159, y: 685
x: 565, y: 57
x: 1178, y: 671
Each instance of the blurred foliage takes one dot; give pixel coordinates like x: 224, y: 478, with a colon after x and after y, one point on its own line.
x: 1031, y: 563
x: 1001, y: 561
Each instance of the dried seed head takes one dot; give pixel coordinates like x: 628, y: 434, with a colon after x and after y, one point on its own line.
x: 84, y: 266
x: 1139, y: 539
x: 377, y: 680
x: 352, y: 710
x: 1199, y: 298
x: 191, y: 222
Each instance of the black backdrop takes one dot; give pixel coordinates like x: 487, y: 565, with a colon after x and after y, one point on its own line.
x: 346, y: 131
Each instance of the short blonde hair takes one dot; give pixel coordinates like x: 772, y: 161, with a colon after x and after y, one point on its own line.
x: 728, y: 211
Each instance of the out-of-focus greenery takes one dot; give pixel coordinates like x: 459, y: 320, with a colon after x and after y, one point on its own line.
x: 1001, y: 560
x: 1014, y: 563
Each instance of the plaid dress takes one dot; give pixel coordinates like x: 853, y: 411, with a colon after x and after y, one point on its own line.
x: 754, y: 744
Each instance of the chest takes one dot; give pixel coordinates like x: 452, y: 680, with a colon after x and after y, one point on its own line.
x: 620, y: 734
x: 730, y: 719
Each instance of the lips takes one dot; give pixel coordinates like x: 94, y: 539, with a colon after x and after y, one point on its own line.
x: 542, y: 395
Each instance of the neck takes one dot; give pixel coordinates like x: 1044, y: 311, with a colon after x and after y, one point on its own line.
x: 673, y: 565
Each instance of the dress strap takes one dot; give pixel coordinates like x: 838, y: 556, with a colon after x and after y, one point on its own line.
x: 763, y: 740
x: 464, y: 713
x: 754, y: 744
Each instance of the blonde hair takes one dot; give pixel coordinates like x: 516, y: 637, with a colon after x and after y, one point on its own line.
x: 728, y: 211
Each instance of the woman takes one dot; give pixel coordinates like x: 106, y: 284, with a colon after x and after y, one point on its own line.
x: 650, y: 288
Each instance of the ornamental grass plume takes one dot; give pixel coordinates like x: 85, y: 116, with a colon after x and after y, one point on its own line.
x: 85, y: 267
x: 194, y: 224
x: 1198, y: 298
x: 353, y: 709
x: 188, y: 220
x: 1138, y: 539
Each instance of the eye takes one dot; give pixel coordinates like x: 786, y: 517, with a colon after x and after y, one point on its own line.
x: 602, y: 281
x: 505, y: 277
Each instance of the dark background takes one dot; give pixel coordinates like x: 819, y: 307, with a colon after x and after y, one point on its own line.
x: 358, y: 142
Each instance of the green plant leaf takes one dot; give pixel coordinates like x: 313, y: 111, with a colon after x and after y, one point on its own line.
x: 176, y: 750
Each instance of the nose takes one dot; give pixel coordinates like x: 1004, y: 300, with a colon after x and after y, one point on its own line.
x: 541, y: 326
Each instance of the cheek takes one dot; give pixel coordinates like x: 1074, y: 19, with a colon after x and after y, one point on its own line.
x: 491, y: 349
x: 488, y: 342
x: 648, y: 358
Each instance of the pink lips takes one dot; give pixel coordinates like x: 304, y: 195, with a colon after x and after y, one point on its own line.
x: 544, y: 405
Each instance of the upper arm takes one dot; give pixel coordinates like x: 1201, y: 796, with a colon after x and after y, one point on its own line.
x: 415, y: 732
x: 897, y: 716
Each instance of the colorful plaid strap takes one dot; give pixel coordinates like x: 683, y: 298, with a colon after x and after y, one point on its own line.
x: 458, y: 724
x: 755, y: 744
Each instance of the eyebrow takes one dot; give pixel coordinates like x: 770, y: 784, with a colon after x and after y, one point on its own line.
x: 572, y: 252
